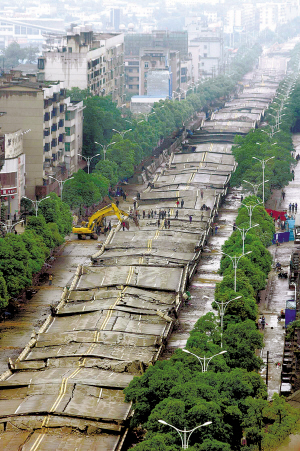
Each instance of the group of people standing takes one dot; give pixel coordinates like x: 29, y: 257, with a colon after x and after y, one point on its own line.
x: 261, y: 323
x: 293, y: 207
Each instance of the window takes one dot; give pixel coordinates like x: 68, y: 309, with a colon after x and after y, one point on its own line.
x: 17, y: 29
x: 146, y: 65
x: 68, y: 115
x: 130, y: 86
x: 69, y: 49
x: 23, y: 30
x: 54, y: 143
x: 54, y: 112
x: 61, y: 123
x: 54, y: 128
x: 46, y: 147
x: 67, y: 147
x: 41, y: 63
x: 61, y: 108
x: 68, y: 131
x: 205, y: 55
x: 46, y: 132
x: 61, y: 138
x: 46, y: 116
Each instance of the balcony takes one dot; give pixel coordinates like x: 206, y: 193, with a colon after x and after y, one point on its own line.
x: 70, y: 138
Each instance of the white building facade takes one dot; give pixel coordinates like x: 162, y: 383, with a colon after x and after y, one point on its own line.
x: 12, y: 175
x: 87, y: 60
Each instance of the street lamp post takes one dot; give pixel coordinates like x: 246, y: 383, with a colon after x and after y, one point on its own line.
x: 222, y: 307
x: 61, y: 184
x: 243, y: 233
x: 250, y: 209
x: 185, y: 434
x: 235, y: 261
x: 89, y: 159
x: 9, y: 228
x: 104, y: 147
x: 206, y: 360
x: 36, y: 202
x: 121, y: 133
x: 146, y: 116
x: 263, y: 164
x: 255, y: 186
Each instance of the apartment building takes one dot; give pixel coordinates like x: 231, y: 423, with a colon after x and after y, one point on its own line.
x: 12, y: 173
x: 85, y: 59
x: 159, y: 42
x: 207, y: 51
x: 159, y: 72
x: 73, y: 134
x: 39, y: 109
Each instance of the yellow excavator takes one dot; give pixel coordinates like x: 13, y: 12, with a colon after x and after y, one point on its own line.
x: 88, y: 228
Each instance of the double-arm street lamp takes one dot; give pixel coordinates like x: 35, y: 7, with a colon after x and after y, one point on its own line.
x: 185, y: 434
x: 61, y: 184
x: 222, y: 307
x: 121, y: 133
x: 244, y: 232
x: 146, y: 116
x: 255, y: 186
x: 263, y: 164
x: 89, y: 159
x: 36, y: 202
x: 206, y: 360
x: 104, y: 148
x: 250, y: 209
x: 9, y: 228
x: 235, y: 261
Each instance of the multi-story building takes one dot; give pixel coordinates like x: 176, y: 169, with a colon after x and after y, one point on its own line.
x: 73, y: 134
x: 207, y: 50
x: 12, y: 174
x: 85, y: 59
x: 137, y: 45
x: 39, y: 109
x: 159, y: 69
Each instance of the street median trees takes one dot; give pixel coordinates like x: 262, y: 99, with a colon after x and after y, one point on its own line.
x: 81, y: 191
x: 3, y: 292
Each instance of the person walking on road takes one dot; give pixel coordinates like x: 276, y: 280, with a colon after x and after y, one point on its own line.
x: 50, y: 279
x: 259, y: 323
x: 263, y: 322
x: 190, y: 218
x: 182, y: 203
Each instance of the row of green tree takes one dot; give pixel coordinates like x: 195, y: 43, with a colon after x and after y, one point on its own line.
x: 22, y: 256
x: 231, y: 394
x: 263, y: 144
x: 140, y: 134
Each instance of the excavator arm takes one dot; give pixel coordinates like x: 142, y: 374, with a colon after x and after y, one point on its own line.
x: 96, y: 218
